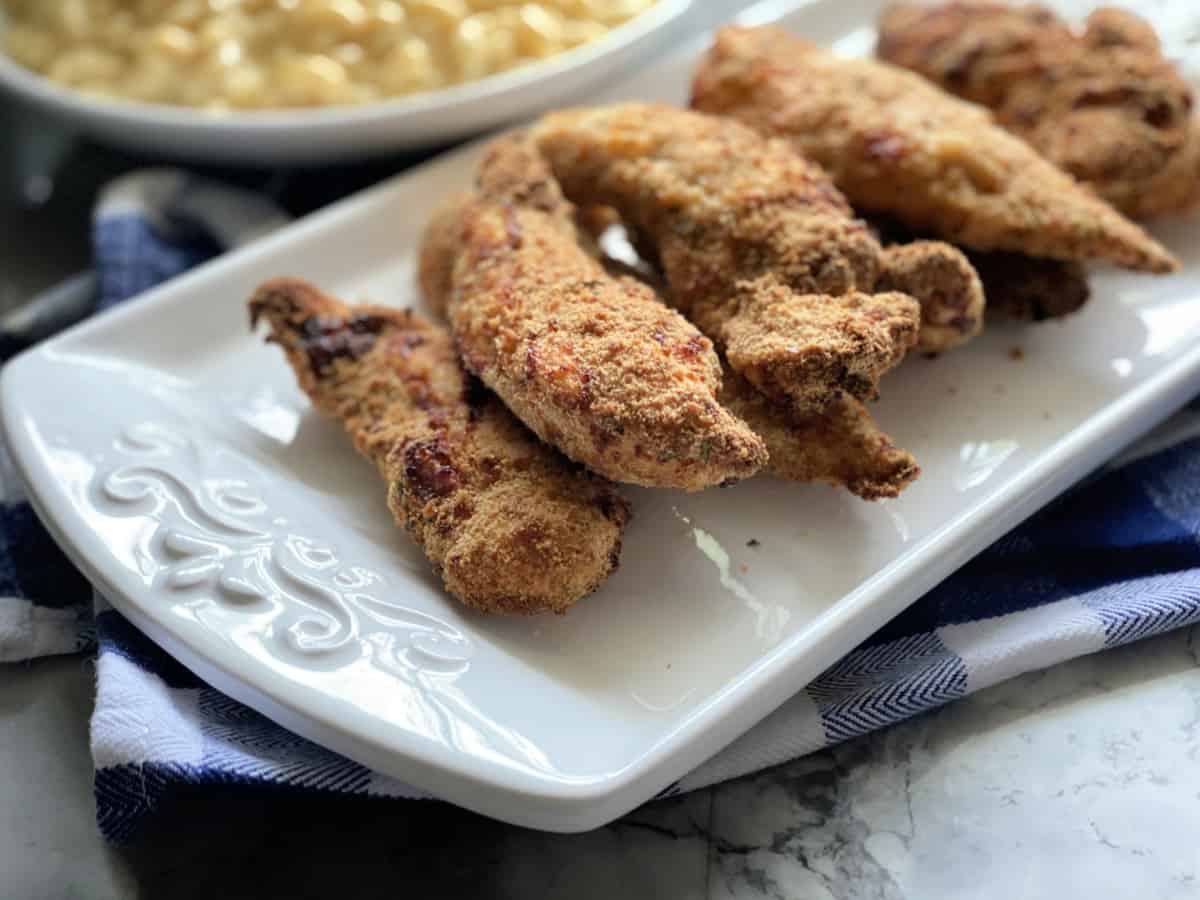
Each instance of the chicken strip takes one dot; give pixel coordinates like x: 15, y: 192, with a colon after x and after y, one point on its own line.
x: 1016, y: 286
x: 942, y: 279
x: 439, y: 252
x: 1105, y: 105
x: 838, y: 445
x: 804, y: 350
x: 757, y: 247
x: 1030, y: 289
x: 510, y: 525
x: 895, y: 144
x: 593, y: 364
x: 935, y: 274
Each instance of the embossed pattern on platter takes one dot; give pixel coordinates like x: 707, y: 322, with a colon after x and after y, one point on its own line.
x: 213, y: 539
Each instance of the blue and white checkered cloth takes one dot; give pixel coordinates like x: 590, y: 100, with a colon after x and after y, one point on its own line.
x: 1113, y: 561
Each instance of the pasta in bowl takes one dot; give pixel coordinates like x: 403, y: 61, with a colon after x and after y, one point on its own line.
x: 267, y: 81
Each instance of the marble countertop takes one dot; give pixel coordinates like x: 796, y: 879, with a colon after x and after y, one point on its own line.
x: 1081, y: 781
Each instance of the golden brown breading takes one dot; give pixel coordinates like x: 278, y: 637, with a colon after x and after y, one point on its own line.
x: 808, y: 349
x: 511, y: 526
x: 757, y: 246
x: 942, y: 279
x: 974, y: 50
x: 1109, y: 26
x: 1016, y: 286
x: 1104, y: 105
x: 937, y: 275
x: 593, y: 364
x: 838, y: 445
x: 438, y: 251
x: 1030, y: 289
x: 896, y: 144
x: 852, y: 453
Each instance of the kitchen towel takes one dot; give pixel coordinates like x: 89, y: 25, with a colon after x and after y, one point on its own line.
x: 1115, y: 560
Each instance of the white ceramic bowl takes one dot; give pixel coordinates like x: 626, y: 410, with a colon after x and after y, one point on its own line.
x: 342, y: 133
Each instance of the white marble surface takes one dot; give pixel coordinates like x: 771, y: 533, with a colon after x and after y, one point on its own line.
x: 1081, y: 781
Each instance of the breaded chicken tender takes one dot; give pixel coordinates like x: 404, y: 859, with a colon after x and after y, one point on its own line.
x: 939, y: 276
x: 439, y: 251
x: 1105, y: 105
x: 510, y: 525
x: 1029, y: 289
x: 838, y: 445
x: 1016, y: 286
x: 896, y: 144
x: 756, y: 245
x: 942, y: 279
x: 807, y: 349
x: 594, y: 365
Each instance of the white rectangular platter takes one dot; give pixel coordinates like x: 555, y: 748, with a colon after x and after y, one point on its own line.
x: 171, y: 454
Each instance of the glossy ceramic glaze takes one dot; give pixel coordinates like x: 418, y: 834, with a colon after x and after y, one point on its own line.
x: 172, y: 454
x: 312, y: 136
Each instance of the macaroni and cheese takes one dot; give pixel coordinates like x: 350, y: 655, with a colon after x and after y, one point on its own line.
x: 260, y: 54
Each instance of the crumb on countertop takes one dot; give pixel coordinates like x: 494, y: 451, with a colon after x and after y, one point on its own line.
x: 753, y: 542
x: 1016, y: 354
